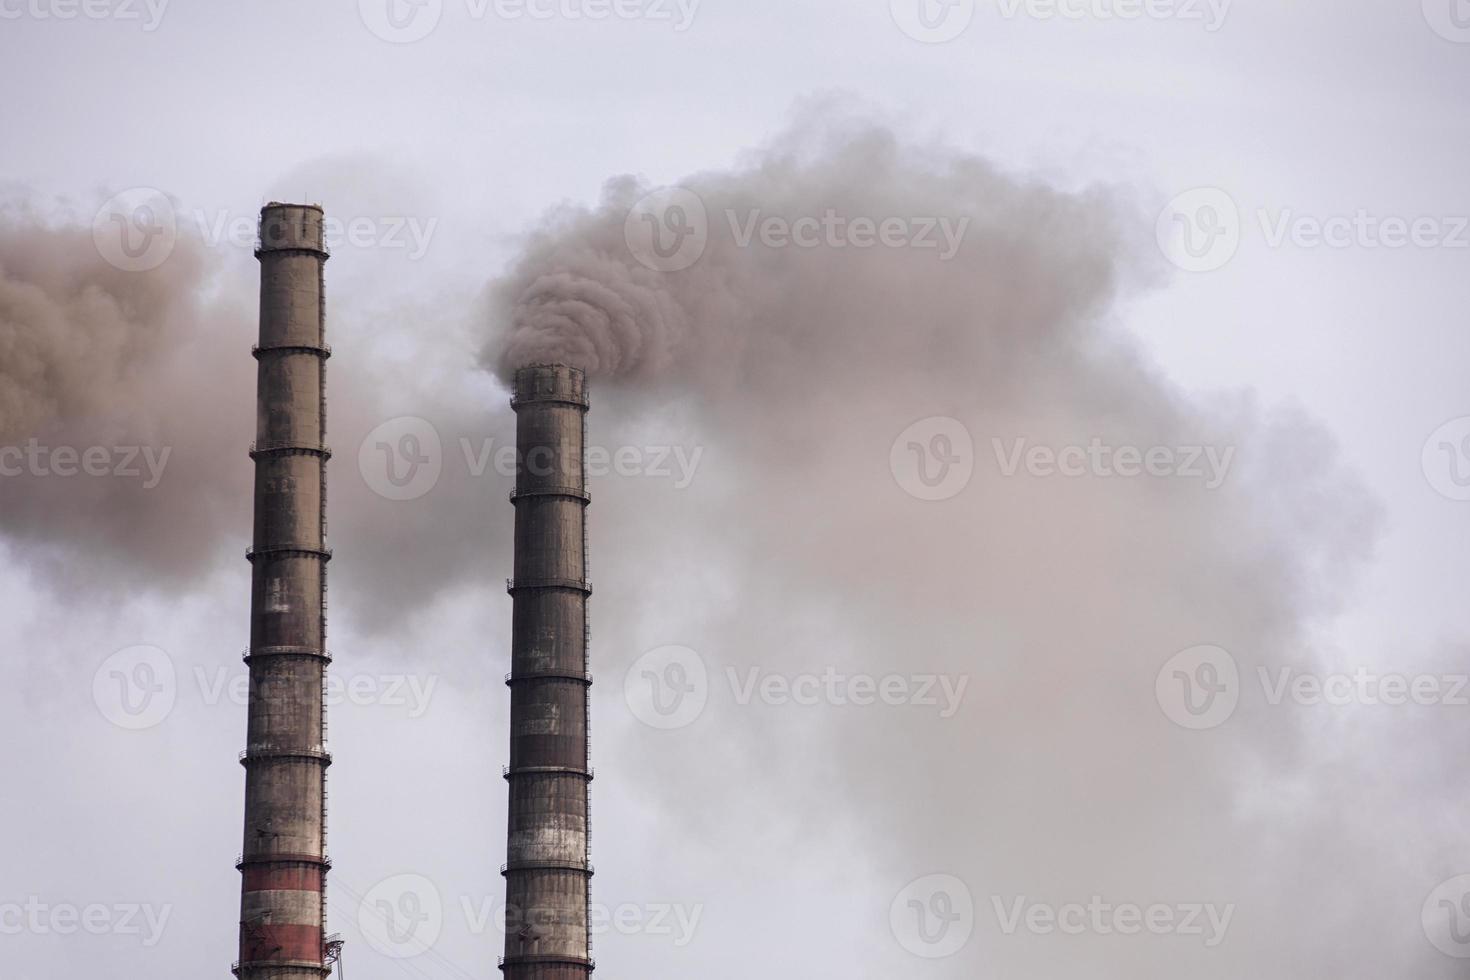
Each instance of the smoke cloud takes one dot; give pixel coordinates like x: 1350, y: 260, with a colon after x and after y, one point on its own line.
x: 127, y: 408
x: 118, y: 409
x: 821, y: 541
x: 913, y: 470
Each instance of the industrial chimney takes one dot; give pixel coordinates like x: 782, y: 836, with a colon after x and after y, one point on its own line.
x: 284, y: 860
x: 547, y: 873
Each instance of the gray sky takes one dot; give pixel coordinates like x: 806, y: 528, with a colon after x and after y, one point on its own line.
x: 769, y: 836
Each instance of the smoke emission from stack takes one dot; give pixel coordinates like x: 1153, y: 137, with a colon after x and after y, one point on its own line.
x: 1058, y: 600
x: 795, y: 549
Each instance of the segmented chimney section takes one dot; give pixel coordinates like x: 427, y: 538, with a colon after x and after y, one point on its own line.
x: 283, y: 862
x: 547, y: 875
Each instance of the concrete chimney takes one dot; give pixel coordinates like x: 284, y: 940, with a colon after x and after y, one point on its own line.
x: 547, y: 874
x: 283, y: 863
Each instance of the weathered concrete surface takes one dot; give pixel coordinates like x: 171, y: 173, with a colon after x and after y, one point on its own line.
x: 283, y: 861
x: 548, y: 874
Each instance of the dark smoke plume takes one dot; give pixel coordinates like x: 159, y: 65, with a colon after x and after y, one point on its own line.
x: 1058, y: 600
x: 799, y: 547
x: 150, y: 370
x: 135, y: 367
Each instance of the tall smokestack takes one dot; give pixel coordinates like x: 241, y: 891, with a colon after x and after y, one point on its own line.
x: 284, y: 860
x: 547, y: 873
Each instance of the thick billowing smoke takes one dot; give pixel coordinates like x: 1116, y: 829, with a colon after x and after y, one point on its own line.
x: 587, y: 291
x: 77, y: 330
x: 1022, y: 620
x: 1051, y: 595
x: 118, y: 409
x: 127, y: 408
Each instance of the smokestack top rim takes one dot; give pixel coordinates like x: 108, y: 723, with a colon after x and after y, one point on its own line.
x: 287, y: 228
x: 543, y: 365
x: 549, y: 383
x: 274, y: 205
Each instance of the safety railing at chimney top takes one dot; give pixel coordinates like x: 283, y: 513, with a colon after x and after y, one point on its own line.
x: 505, y: 771
x: 282, y: 246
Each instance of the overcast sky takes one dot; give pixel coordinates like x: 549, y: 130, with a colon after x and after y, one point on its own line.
x: 1192, y: 224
